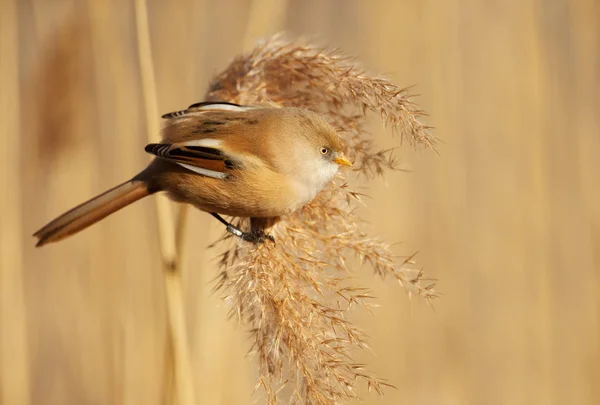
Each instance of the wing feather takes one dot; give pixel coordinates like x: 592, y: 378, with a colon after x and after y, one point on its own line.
x: 207, y: 105
x: 204, y: 160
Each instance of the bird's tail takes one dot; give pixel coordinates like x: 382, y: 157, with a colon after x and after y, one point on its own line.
x: 92, y: 211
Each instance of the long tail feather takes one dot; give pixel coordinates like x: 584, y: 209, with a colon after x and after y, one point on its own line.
x: 92, y: 211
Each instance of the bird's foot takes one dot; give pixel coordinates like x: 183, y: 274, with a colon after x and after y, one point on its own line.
x: 256, y: 237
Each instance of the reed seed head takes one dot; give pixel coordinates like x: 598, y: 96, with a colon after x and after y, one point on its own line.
x: 296, y: 294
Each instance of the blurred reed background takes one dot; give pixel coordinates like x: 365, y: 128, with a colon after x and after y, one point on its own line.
x: 507, y: 217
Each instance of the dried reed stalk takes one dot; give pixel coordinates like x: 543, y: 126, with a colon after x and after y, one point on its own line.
x: 15, y: 386
x: 296, y: 294
x: 171, y: 234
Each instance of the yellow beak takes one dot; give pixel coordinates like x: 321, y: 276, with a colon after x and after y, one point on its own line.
x: 342, y: 160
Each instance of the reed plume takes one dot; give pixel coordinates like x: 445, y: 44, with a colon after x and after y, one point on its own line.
x: 295, y: 294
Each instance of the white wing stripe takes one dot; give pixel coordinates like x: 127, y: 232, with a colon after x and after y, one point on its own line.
x: 204, y: 172
x: 206, y: 142
x: 225, y: 107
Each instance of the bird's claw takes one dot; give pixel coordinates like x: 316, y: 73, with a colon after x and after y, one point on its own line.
x: 256, y: 237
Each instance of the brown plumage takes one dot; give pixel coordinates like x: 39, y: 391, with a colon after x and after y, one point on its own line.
x: 259, y: 162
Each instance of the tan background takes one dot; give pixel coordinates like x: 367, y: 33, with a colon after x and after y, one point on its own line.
x: 507, y: 217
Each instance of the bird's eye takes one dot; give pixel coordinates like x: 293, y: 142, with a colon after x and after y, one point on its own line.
x: 324, y: 151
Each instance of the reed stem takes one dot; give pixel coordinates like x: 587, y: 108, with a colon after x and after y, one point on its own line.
x: 171, y: 236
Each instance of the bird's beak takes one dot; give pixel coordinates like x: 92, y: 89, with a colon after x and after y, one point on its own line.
x: 342, y: 160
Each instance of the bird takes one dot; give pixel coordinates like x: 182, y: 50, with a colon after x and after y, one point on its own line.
x: 257, y: 162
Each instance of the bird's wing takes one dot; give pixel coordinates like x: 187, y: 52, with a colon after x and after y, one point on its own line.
x: 207, y: 106
x: 202, y: 156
